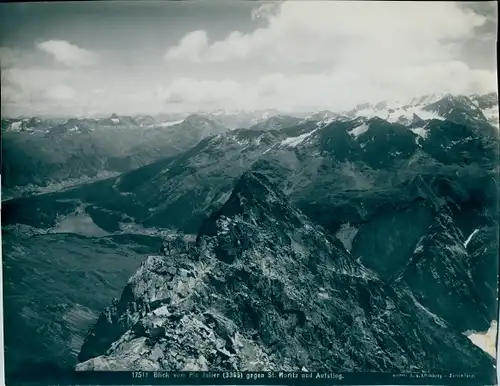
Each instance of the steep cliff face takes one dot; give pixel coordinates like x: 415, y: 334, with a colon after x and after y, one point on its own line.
x: 440, y: 275
x: 482, y: 245
x: 438, y: 240
x: 265, y: 288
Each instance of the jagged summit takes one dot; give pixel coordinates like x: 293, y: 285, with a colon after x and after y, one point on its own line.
x: 202, y: 125
x: 485, y: 101
x: 438, y: 275
x: 416, y: 119
x: 267, y: 289
x: 479, y: 110
x: 276, y: 122
x: 248, y: 191
x: 255, y: 204
x: 255, y: 187
x: 446, y: 106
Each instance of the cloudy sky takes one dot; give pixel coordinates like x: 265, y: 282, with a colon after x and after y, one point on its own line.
x: 147, y: 57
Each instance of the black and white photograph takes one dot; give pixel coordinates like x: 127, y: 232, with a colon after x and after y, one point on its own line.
x: 229, y: 186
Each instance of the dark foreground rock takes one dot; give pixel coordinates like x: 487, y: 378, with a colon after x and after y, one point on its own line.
x: 264, y: 288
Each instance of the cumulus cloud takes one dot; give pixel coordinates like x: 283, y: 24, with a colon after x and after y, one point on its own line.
x: 290, y: 55
x: 359, y: 51
x: 67, y: 53
x: 301, y: 31
x: 191, y: 47
x: 57, y: 91
x: 38, y: 90
x: 186, y: 91
x: 340, y: 89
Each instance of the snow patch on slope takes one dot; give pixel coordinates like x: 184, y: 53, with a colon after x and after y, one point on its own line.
x: 325, y: 122
x: 470, y: 238
x: 168, y: 124
x: 295, y: 141
x: 15, y: 126
x: 398, y: 115
x: 492, y: 115
x: 356, y: 132
x: 244, y: 142
x: 421, y: 131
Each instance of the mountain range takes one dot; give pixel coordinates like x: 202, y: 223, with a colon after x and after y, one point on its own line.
x: 369, y: 233
x: 43, y: 155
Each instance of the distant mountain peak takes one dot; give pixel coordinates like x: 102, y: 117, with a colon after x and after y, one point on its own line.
x: 479, y: 110
x: 416, y: 119
x: 276, y: 122
x: 197, y: 118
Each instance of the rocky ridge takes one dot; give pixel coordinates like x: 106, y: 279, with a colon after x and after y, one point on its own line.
x: 264, y: 288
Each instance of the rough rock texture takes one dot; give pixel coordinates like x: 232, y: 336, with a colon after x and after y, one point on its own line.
x: 439, y: 275
x: 265, y: 288
x: 483, y: 249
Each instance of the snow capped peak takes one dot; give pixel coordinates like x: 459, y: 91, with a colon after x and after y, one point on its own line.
x: 432, y: 106
x: 220, y: 112
x: 426, y: 99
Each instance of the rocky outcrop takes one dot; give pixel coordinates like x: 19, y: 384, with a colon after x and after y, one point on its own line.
x: 440, y: 276
x: 264, y: 288
x: 483, y: 250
